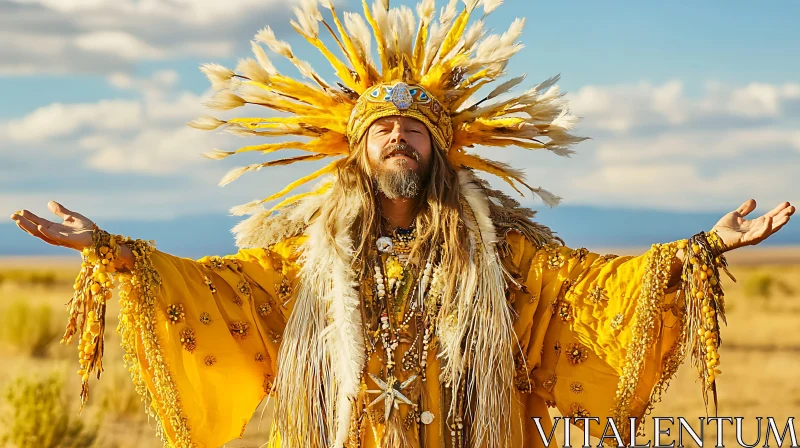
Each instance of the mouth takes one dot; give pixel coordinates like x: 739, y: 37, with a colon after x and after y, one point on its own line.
x: 401, y: 153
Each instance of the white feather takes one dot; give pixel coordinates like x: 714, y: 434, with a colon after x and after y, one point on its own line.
x: 254, y: 71
x: 206, y: 123
x: 217, y: 154
x: 267, y: 37
x: 426, y: 9
x: 218, y: 75
x: 474, y: 32
x: 250, y: 208
x: 490, y: 5
x: 225, y: 100
x: 549, y: 198
x: 358, y: 29
x: 263, y: 59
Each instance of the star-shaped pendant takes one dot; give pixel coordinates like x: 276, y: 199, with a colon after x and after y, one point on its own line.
x: 391, y: 393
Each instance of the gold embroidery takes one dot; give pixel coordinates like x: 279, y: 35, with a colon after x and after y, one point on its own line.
x: 244, y: 288
x: 275, y: 336
x: 597, y: 294
x: 175, y: 313
x: 580, y: 254
x: 616, y: 322
x: 137, y: 329
x: 188, y: 339
x: 578, y: 411
x: 239, y: 330
x: 209, y: 284
x: 268, y: 384
x: 555, y: 261
x: 205, y: 318
x: 550, y: 403
x: 264, y: 309
x: 557, y: 347
x: 550, y: 383
x: 284, y: 289
x: 259, y: 357
x: 216, y: 262
x: 210, y: 360
x: 576, y: 387
x: 565, y: 311
x: 577, y: 353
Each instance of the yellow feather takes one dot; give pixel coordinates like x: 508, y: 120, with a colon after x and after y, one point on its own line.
x: 499, y: 169
x: 321, y: 172
x: 379, y: 39
x: 455, y: 33
x: 292, y: 199
x: 342, y: 71
x: 352, y: 52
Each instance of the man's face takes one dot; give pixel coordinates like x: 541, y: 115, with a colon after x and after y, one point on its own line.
x: 399, y: 152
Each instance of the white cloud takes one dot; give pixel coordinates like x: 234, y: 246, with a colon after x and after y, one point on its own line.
x: 622, y: 109
x: 117, y: 43
x: 104, y: 36
x: 59, y: 120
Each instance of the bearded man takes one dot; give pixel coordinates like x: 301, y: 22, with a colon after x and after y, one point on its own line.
x: 402, y: 302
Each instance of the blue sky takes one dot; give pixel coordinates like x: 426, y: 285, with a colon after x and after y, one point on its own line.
x: 692, y: 107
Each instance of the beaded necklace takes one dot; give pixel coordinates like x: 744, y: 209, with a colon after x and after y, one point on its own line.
x: 397, y: 283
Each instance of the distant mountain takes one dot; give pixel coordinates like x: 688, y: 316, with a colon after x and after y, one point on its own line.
x: 198, y: 235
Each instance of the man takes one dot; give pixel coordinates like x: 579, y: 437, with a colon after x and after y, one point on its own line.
x: 402, y: 302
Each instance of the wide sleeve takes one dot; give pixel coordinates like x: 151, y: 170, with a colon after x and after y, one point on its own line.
x: 601, y: 334
x: 201, y: 337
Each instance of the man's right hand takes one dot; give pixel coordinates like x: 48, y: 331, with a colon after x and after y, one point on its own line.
x: 75, y: 231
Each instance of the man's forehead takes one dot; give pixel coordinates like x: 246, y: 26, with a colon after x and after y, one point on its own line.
x: 393, y: 119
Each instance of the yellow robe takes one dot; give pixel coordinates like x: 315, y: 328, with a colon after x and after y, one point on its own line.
x: 203, y: 342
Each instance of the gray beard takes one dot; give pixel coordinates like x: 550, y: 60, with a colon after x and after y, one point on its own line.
x: 402, y: 183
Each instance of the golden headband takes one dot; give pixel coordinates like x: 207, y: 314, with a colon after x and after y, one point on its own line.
x: 400, y: 99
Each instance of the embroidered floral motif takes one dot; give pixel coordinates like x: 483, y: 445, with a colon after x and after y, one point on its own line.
x: 577, y: 353
x: 616, y: 322
x: 532, y: 298
x: 275, y: 336
x: 284, y: 289
x: 550, y: 403
x: 188, y: 339
x: 259, y: 357
x: 205, y: 318
x: 576, y: 387
x: 216, y: 262
x: 555, y: 261
x: 597, y: 294
x: 550, y: 383
x: 239, y: 330
x: 608, y: 257
x: 268, y: 385
x: 578, y: 411
x: 580, y: 254
x: 264, y: 309
x: 522, y: 379
x: 210, y: 360
x: 175, y: 313
x: 209, y: 284
x: 565, y: 311
x: 244, y: 288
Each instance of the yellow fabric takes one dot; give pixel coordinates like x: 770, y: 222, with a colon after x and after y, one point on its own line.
x: 555, y: 307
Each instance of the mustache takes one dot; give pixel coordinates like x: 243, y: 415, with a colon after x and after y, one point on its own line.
x: 400, y: 148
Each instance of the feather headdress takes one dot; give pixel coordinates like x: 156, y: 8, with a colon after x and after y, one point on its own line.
x: 445, y: 60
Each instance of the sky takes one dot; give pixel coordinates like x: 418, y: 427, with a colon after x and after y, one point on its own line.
x: 692, y: 108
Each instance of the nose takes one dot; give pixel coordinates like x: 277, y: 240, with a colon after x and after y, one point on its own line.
x: 398, y: 135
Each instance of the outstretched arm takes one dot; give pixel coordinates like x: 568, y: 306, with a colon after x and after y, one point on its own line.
x: 201, y: 337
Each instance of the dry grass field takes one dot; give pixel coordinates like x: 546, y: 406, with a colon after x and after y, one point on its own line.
x: 39, y: 386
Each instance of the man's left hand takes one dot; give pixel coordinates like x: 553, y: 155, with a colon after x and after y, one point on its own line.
x: 735, y: 231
